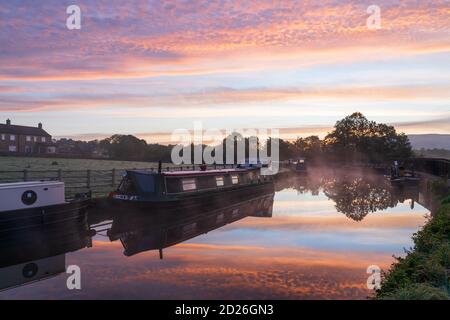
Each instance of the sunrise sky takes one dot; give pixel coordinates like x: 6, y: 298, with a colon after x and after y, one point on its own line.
x: 149, y: 67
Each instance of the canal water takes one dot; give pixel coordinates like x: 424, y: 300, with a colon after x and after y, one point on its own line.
x: 312, y: 239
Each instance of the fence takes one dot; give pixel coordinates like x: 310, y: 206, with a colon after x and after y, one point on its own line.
x: 437, y: 167
x: 99, y: 182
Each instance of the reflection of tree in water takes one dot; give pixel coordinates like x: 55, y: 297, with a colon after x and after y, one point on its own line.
x: 356, y: 196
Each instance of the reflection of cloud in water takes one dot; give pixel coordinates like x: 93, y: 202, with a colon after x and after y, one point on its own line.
x: 403, y: 220
x: 213, y: 271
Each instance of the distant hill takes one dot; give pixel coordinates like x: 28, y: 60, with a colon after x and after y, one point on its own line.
x: 430, y: 141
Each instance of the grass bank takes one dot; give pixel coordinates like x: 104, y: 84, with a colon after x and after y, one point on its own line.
x: 425, y: 271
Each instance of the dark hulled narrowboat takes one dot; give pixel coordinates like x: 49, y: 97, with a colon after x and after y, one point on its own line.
x: 300, y: 167
x: 188, y: 189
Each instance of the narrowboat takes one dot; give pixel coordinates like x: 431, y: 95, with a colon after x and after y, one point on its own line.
x: 27, y: 204
x: 400, y: 176
x: 300, y: 166
x: 404, y: 180
x: 186, y: 190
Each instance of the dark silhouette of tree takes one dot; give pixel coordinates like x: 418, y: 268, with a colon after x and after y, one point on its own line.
x: 125, y: 147
x: 356, y: 139
x: 310, y: 148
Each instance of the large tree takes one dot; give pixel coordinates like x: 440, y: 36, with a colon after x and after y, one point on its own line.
x: 125, y: 147
x: 355, y: 138
x: 309, y: 148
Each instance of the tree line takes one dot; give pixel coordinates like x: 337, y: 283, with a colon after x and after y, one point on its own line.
x: 353, y: 139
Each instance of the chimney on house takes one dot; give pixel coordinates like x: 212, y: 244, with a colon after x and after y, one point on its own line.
x: 40, y: 125
x: 8, y: 122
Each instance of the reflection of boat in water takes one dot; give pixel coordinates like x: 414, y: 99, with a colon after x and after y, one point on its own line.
x: 27, y: 204
x: 190, y: 190
x: 140, y: 232
x: 38, y: 253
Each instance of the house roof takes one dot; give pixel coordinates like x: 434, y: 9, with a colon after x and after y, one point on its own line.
x: 32, y: 131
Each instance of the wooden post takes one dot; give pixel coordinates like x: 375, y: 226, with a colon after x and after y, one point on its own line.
x: 88, y: 182
x: 161, y: 253
x: 59, y: 175
x: 159, y: 166
x: 25, y: 175
x: 113, y: 180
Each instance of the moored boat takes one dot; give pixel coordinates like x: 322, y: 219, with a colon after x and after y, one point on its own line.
x: 405, y: 180
x: 34, y: 203
x: 184, y: 189
x: 300, y: 166
x: 400, y: 176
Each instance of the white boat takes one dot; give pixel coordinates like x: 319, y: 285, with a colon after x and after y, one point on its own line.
x: 26, y: 204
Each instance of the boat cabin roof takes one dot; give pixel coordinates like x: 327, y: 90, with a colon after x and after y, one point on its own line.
x: 191, y: 172
x: 29, y: 184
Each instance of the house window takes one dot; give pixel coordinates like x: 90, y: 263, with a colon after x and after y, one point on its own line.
x: 234, y: 179
x: 12, y: 149
x: 28, y: 138
x: 12, y: 138
x: 42, y: 139
x: 220, y: 182
x: 35, y: 139
x: 189, y: 184
x: 3, y: 137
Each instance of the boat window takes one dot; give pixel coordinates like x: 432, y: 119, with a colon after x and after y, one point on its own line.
x: 235, y: 179
x: 146, y: 182
x: 189, y: 184
x: 220, y: 182
x: 126, y: 186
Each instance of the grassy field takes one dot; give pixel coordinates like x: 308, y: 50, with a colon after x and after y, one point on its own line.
x: 73, y: 172
x: 22, y: 163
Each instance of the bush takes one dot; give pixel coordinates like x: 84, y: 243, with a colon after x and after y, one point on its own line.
x: 425, y: 272
x: 446, y: 200
x: 418, y: 292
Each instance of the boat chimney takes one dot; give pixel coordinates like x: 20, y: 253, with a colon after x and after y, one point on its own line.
x: 8, y: 122
x: 159, y: 166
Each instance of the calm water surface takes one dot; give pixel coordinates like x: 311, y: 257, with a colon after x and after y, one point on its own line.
x: 315, y: 243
